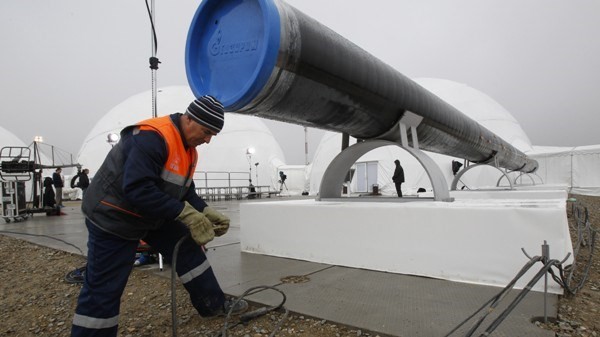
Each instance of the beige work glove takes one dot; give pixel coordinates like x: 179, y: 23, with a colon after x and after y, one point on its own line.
x: 220, y: 221
x: 200, y: 226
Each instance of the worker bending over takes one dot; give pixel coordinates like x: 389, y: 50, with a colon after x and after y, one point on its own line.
x: 144, y: 190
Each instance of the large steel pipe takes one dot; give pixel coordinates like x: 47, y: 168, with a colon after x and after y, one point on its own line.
x: 266, y: 58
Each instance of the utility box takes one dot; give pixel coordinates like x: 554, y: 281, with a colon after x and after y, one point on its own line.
x: 14, y: 206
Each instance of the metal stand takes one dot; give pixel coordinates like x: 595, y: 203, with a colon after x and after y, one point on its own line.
x: 14, y: 207
x: 470, y: 167
x: 331, y: 185
x: 546, y: 261
x: 512, y: 183
x: 528, y: 175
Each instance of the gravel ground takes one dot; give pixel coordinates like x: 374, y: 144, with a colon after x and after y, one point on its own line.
x: 35, y: 300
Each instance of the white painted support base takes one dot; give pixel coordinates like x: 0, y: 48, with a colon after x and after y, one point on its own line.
x: 476, y: 239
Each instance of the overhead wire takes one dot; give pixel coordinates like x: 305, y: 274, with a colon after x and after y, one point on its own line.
x: 154, y: 61
x: 152, y: 25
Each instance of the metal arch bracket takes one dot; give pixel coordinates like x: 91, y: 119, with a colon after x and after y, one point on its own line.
x: 331, y: 185
x: 463, y: 171
x: 530, y: 176
x: 399, y: 132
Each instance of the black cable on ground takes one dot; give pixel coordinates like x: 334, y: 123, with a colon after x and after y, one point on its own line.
x: 76, y: 276
x: 244, y: 318
x: 495, y: 299
x: 519, y: 297
x: 566, y: 274
x: 173, y: 278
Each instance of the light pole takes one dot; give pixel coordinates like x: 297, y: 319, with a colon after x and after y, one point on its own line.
x: 249, y: 152
x: 256, y: 168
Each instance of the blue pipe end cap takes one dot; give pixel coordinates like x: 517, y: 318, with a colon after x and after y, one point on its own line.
x: 231, y: 49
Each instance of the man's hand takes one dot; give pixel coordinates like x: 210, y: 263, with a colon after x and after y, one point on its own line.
x: 219, y: 220
x: 200, y: 226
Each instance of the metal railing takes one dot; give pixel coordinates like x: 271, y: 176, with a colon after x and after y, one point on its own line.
x: 222, y: 185
x: 235, y: 192
x: 221, y: 178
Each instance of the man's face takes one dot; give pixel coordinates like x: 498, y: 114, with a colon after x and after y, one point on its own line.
x: 194, y: 133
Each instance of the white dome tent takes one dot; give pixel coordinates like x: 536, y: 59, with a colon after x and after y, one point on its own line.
x: 471, y: 102
x: 225, y: 153
x: 7, y: 138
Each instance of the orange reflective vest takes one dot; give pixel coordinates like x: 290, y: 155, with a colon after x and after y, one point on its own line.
x: 181, y: 163
x: 105, y: 204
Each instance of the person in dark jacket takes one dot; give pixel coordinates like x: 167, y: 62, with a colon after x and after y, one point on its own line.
x: 144, y: 190
x: 58, y: 183
x: 456, y: 167
x: 398, y: 177
x: 49, y: 196
x: 81, y: 180
x: 49, y: 201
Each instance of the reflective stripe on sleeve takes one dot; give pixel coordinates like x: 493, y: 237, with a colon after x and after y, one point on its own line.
x: 95, y: 323
x: 173, y: 178
x: 190, y: 275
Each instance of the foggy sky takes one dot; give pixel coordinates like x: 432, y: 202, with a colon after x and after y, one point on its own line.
x: 65, y: 63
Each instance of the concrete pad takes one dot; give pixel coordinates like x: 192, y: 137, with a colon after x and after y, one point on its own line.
x: 237, y: 271
x: 49, y: 230
x: 402, y: 305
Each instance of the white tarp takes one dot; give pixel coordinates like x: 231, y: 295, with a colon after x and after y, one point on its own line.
x: 7, y: 138
x: 427, y: 238
x: 576, y: 168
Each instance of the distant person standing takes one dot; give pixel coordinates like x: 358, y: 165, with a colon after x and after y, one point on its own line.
x: 57, y: 181
x: 398, y: 177
x: 84, y: 181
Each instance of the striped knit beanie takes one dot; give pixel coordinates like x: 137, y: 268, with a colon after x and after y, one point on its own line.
x: 207, y: 111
